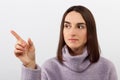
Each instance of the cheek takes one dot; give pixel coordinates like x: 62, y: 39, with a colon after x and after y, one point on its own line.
x: 64, y: 34
x: 65, y: 37
x: 84, y: 36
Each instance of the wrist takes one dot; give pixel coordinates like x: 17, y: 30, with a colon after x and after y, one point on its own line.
x: 31, y: 65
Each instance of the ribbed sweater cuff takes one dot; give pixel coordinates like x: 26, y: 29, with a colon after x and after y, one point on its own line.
x: 31, y: 74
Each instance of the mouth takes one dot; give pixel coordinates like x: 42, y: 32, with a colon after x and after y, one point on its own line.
x: 72, y: 40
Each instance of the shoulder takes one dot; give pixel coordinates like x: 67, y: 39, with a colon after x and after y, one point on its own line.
x: 105, y: 66
x: 106, y: 63
x: 108, y: 67
x: 51, y: 63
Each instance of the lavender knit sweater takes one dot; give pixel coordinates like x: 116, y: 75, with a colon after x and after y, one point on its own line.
x: 74, y: 68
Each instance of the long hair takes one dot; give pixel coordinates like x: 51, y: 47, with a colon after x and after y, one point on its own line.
x: 92, y: 41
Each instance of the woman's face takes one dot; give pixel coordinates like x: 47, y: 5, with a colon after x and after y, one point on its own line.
x: 75, y: 30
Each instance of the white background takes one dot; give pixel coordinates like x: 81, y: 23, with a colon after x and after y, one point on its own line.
x: 40, y: 20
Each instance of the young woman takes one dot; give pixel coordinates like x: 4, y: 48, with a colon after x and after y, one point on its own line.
x: 78, y: 55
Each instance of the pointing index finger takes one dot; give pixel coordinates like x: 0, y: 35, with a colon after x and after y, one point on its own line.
x: 16, y: 35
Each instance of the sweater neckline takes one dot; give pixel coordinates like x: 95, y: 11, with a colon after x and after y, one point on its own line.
x: 75, y: 63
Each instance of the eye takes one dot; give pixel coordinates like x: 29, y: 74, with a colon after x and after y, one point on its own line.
x: 67, y: 25
x: 81, y: 26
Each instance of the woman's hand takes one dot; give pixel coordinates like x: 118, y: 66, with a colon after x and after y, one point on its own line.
x: 25, y: 51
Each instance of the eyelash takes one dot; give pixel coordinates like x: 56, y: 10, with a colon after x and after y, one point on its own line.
x: 78, y: 26
x: 67, y: 26
x: 81, y: 26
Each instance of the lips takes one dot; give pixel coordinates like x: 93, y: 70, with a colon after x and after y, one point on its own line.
x: 73, y: 40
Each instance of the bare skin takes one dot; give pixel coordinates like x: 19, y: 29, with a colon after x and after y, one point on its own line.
x: 75, y: 33
x: 25, y: 51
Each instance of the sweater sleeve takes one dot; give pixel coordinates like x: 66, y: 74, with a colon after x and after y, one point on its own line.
x: 113, y: 73
x: 32, y: 74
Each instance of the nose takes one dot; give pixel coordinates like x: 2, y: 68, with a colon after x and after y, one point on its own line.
x: 72, y: 32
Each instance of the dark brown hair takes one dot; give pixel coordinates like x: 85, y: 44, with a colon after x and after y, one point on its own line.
x: 92, y: 41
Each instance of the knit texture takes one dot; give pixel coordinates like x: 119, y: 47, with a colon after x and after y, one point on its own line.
x: 73, y: 68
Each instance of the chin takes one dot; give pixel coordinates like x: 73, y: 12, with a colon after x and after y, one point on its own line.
x: 73, y: 46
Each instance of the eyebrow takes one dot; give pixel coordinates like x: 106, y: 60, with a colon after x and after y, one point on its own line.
x: 77, y: 23
x: 67, y: 22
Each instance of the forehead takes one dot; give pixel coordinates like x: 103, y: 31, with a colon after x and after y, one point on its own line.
x: 74, y: 17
